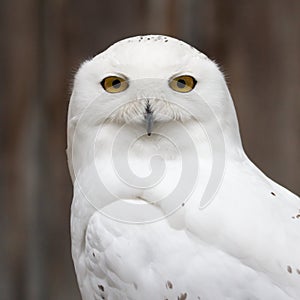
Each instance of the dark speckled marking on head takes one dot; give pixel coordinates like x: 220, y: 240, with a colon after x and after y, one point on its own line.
x: 298, y: 271
x: 272, y: 193
x: 297, y: 216
x: 182, y: 296
x: 160, y: 39
x: 155, y: 38
x: 289, y: 269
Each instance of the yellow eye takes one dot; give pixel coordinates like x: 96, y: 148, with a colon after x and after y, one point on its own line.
x: 182, y: 84
x: 114, y: 84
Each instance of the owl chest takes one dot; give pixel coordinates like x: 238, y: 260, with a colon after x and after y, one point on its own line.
x: 147, y: 165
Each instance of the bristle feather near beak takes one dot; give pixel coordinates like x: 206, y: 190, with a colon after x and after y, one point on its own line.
x: 149, y: 120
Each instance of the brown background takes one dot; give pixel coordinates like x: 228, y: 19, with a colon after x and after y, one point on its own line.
x: 257, y: 43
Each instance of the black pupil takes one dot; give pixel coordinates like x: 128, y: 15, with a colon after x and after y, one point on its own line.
x: 116, y: 83
x: 181, y: 83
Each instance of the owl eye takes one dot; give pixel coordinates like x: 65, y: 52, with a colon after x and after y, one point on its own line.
x: 114, y: 84
x: 182, y: 84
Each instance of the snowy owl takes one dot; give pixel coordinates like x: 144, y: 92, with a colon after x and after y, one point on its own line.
x: 166, y: 203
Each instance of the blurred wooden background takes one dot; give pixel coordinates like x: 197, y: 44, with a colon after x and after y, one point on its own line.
x: 257, y: 43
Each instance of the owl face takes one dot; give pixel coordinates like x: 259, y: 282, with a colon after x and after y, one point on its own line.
x: 151, y: 85
x: 148, y: 80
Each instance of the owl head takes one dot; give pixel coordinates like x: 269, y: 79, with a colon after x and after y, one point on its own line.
x: 149, y: 85
x: 150, y: 80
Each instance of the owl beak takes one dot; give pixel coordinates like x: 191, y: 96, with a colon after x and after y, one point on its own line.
x: 149, y: 120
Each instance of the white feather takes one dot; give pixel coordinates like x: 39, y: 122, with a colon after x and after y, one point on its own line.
x: 244, y: 245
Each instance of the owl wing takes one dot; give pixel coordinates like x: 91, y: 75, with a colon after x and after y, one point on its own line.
x: 256, y: 220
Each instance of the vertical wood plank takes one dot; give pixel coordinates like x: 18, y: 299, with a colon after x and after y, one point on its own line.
x: 19, y: 51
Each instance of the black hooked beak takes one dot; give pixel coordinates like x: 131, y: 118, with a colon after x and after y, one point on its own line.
x: 149, y: 119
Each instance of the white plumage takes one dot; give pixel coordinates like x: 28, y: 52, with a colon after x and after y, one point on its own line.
x: 139, y: 228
